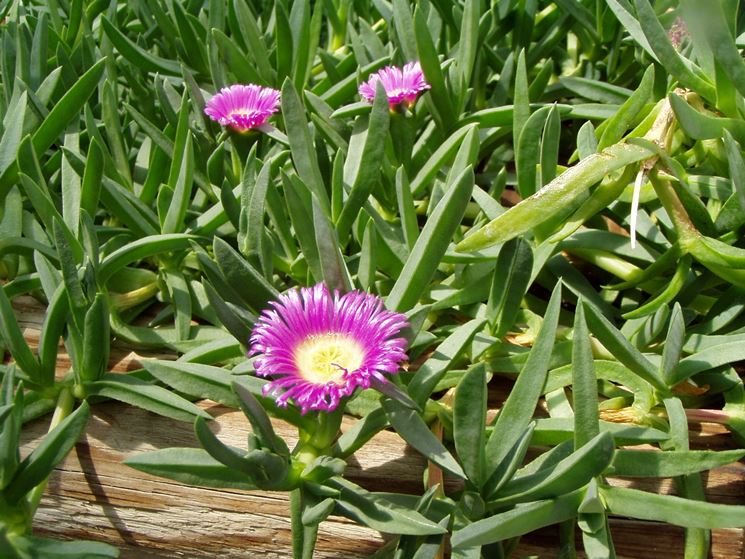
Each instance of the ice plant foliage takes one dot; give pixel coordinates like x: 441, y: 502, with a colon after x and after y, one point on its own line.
x: 401, y: 85
x: 318, y: 346
x: 243, y: 107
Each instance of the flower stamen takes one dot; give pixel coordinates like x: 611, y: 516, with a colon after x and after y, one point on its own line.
x: 328, y: 358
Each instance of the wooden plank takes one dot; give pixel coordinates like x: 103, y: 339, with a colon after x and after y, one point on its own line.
x: 92, y: 495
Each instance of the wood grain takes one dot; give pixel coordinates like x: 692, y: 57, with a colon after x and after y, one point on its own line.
x: 92, y: 495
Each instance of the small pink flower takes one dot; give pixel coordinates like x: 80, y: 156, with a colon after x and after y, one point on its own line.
x: 400, y: 85
x: 243, y: 107
x: 319, y: 347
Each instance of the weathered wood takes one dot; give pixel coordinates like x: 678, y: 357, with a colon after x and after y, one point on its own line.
x: 92, y: 495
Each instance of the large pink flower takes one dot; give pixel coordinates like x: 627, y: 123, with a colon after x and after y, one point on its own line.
x: 243, y: 107
x: 401, y: 85
x: 318, y: 347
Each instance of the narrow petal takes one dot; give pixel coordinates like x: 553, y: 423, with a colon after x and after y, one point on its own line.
x: 402, y: 85
x: 318, y: 347
x: 243, y: 107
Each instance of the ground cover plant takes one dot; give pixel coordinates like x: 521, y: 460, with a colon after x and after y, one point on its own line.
x: 376, y: 208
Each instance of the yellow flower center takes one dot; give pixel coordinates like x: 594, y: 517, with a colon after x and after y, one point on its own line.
x: 327, y: 357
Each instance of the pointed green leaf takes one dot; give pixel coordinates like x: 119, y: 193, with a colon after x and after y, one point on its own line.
x: 378, y: 513
x: 520, y: 520
x: 253, y: 288
x: 584, y: 383
x: 366, y: 155
x: 432, y: 244
x: 13, y: 339
x: 414, y: 431
x: 469, y: 420
x: 67, y: 108
x: 510, y: 283
x: 53, y: 448
x: 139, y: 57
x: 259, y: 419
x: 427, y: 55
x: 131, y: 390
x: 192, y: 466
x: 571, y: 473
x: 301, y: 144
x: 615, y: 342
x: 139, y: 249
x: 682, y: 69
x: 558, y: 194
x: 518, y: 409
x: 673, y: 510
x: 174, y: 218
x: 203, y: 381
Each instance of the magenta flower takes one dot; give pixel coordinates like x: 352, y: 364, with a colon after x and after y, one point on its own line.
x: 400, y: 85
x: 319, y: 347
x: 243, y: 107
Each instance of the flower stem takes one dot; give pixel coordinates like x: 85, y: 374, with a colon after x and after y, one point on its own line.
x: 310, y: 534
x: 684, y: 227
x: 326, y: 430
x: 303, y: 537
x: 609, y: 262
x: 65, y: 402
x: 296, y: 523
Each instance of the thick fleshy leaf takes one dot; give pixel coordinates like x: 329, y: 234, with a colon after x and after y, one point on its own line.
x: 70, y: 104
x: 203, y: 381
x: 428, y: 375
x: 136, y: 392
x: 29, y: 546
x: 469, y: 419
x: 37, y: 466
x: 571, y: 473
x: 136, y: 55
x: 511, y: 280
x: 518, y: 409
x: 518, y: 521
x: 267, y: 469
x: 431, y: 244
x: 621, y: 349
x: 192, y: 466
x: 259, y: 419
x: 674, y: 510
x: 414, y: 431
x: 640, y: 463
x: 364, y: 159
x: 248, y: 282
x: 301, y: 144
x: 559, y: 193
x: 13, y: 337
x: 584, y: 384
x: 683, y: 70
x: 378, y: 513
x: 139, y: 249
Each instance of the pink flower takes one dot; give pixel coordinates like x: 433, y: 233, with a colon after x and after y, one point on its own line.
x: 400, y: 85
x: 319, y: 347
x: 243, y: 107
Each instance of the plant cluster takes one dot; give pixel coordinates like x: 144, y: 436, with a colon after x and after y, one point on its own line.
x: 374, y: 208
